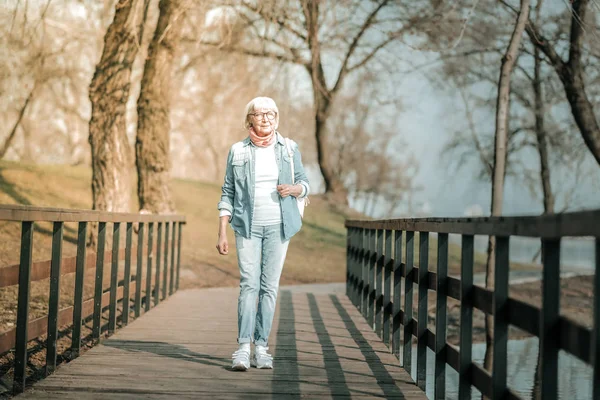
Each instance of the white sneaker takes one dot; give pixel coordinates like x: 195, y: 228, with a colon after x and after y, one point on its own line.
x: 261, y: 358
x: 241, y: 358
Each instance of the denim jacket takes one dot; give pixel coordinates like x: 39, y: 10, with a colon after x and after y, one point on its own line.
x: 238, y: 189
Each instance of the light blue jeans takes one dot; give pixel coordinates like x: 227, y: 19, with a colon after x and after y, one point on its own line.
x: 260, y: 259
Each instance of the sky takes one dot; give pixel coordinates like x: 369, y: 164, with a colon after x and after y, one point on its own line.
x: 427, y: 124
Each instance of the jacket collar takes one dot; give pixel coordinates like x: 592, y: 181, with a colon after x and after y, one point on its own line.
x: 280, y: 139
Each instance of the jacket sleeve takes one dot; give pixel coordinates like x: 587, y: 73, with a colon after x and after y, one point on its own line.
x: 299, y: 173
x: 228, y: 188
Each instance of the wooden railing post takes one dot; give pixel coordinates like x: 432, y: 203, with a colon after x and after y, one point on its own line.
x: 348, y: 262
x: 20, y: 374
x: 114, y: 275
x: 372, y: 264
x: 440, y: 317
x: 78, y: 300
x: 53, y: 302
x: 355, y: 267
x: 466, y: 317
x: 549, y: 318
x: 166, y: 262
x: 387, y: 287
x: 365, y: 272
x: 158, y: 260
x: 127, y: 272
x: 148, y: 298
x: 379, y: 284
x: 97, y: 323
x: 595, y: 345
x: 172, y: 275
x: 398, y: 269
x: 408, y: 301
x: 422, y: 309
x: 138, y: 272
x: 178, y: 254
x: 500, y: 343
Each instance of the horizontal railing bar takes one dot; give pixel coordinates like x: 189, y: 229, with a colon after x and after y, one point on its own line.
x: 524, y: 316
x: 574, y: 338
x: 39, y: 214
x: 583, y: 223
x: 9, y: 276
x: 39, y: 326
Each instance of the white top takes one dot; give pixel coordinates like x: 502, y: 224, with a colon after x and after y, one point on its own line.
x: 266, y: 198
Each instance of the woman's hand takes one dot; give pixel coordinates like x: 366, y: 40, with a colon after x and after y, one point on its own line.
x: 223, y: 245
x: 289, y: 190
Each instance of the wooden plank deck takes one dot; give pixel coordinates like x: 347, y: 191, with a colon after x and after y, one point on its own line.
x: 322, y: 348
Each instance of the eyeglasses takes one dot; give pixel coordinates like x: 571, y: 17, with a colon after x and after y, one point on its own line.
x: 270, y: 115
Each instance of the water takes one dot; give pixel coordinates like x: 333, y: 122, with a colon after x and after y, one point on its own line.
x: 575, y: 376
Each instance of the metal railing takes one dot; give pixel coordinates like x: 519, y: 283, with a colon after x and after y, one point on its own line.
x: 374, y: 279
x: 27, y: 271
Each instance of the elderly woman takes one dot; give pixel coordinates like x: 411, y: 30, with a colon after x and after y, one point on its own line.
x: 259, y: 200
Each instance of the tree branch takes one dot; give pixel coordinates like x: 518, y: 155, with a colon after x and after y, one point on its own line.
x: 344, y: 70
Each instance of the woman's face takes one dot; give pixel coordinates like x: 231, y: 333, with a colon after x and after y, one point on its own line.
x: 263, y: 121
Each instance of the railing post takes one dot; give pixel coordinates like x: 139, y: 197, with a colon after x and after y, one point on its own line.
x: 355, y: 268
x: 138, y: 271
x: 387, y: 287
x: 53, y: 303
x: 353, y: 263
x: 397, y: 318
x: 148, y: 298
x: 440, y: 317
x: 408, y: 301
x: 97, y: 324
x: 20, y: 374
x: 172, y: 276
x: 500, y: 344
x: 596, y: 330
x: 365, y: 272
x: 422, y: 309
x: 158, y: 259
x: 379, y: 284
x: 549, y: 318
x: 348, y: 261
x: 372, y: 262
x: 166, y: 262
x: 114, y: 274
x: 466, y: 317
x: 78, y: 300
x: 178, y: 254
x: 127, y: 272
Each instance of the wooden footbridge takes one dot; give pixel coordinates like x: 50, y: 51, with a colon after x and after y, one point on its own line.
x: 355, y: 340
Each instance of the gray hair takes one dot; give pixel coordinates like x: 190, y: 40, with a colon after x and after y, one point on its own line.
x: 261, y: 102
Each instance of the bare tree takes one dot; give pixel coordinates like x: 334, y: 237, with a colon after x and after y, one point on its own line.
x: 571, y: 74
x: 152, y: 145
x: 499, y: 166
x: 304, y: 32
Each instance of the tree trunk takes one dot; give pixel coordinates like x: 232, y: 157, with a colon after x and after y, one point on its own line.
x: 542, y: 140
x: 323, y: 98
x: 109, y: 92
x: 334, y: 187
x: 499, y: 170
x: 152, y: 147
